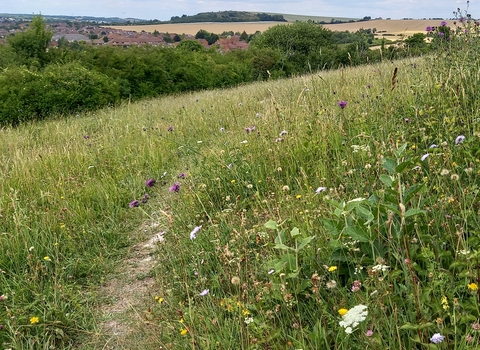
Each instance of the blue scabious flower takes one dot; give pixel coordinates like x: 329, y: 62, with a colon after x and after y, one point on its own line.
x: 437, y: 338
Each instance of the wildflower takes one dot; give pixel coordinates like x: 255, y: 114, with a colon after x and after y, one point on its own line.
x: 445, y: 303
x: 353, y: 318
x: 184, y: 331
x: 356, y: 286
x: 437, y: 338
x: 429, y: 29
x: 443, y: 23
x: 380, y: 267
x: 320, y: 189
x: 331, y: 284
x: 459, y: 139
x: 472, y: 286
x: 342, y: 312
x: 248, y: 320
x: 222, y: 129
x: 34, y: 320
x: 454, y: 177
x: 433, y: 146
x: 181, y: 175
x: 441, y: 34
x: 86, y: 137
x: 425, y: 156
x: 170, y: 128
x: 286, y: 188
x: 332, y: 268
x: 175, y: 187
x: 235, y: 280
x: 283, y: 133
x: 134, y: 204
x: 249, y: 186
x: 194, y: 232
x: 476, y: 326
x: 342, y: 104
x: 3, y: 297
x: 150, y: 182
x: 444, y: 172
x: 369, y: 333
x: 204, y: 292
x: 47, y: 258
x: 159, y: 299
x: 145, y: 198
x: 298, y: 196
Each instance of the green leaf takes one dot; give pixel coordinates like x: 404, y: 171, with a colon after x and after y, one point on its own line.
x: 390, y: 164
x: 304, y: 242
x: 400, y: 150
x: 271, y: 224
x: 366, y: 214
x: 413, y: 212
x: 294, y: 232
x: 409, y: 327
x: 282, y: 246
x: 357, y: 234
x: 386, y: 179
x: 412, y: 191
x: 401, y: 167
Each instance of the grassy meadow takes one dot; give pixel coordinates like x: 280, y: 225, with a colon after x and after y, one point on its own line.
x: 338, y: 210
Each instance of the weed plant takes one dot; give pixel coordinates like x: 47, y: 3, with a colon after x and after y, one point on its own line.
x: 337, y: 210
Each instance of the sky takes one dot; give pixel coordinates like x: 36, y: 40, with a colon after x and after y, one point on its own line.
x: 163, y: 10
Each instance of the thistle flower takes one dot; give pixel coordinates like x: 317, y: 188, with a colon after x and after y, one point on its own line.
x: 342, y: 104
x: 134, y: 204
x: 443, y: 23
x: 429, y: 29
x: 150, y: 182
x: 175, y: 187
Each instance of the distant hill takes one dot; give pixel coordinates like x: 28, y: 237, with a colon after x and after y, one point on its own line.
x: 227, y: 16
x: 319, y: 19
x: 58, y: 18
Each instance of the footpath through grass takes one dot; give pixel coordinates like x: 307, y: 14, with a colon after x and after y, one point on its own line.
x: 337, y: 210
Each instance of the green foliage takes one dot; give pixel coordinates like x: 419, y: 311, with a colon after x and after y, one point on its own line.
x: 70, y: 88
x: 227, y: 16
x: 31, y: 45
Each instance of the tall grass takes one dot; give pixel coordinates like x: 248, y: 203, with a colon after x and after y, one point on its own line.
x: 306, y: 209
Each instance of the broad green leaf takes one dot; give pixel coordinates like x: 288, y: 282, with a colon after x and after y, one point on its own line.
x: 304, y: 242
x: 412, y: 191
x: 386, y: 179
x: 357, y: 234
x: 401, y: 167
x: 271, y: 224
x: 400, y: 150
x: 390, y: 164
x: 295, y: 232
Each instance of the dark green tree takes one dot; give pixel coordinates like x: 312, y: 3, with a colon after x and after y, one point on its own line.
x: 31, y: 45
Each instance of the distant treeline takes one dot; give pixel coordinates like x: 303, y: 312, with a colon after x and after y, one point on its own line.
x: 36, y: 83
x: 226, y: 16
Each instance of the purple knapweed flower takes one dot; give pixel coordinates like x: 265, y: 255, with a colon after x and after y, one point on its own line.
x: 170, y: 128
x: 194, y: 232
x: 181, y: 175
x: 443, y: 23
x: 204, y: 292
x: 459, y: 139
x: 425, y: 156
x: 369, y: 86
x: 175, y: 187
x: 441, y: 34
x: 134, y: 204
x: 429, y: 29
x: 342, y: 104
x: 86, y: 137
x: 150, y: 182
x: 437, y: 338
x: 145, y: 198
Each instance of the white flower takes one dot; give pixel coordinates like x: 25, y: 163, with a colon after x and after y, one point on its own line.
x: 380, y: 267
x: 248, y: 320
x: 353, y: 318
x: 320, y: 189
x: 194, y: 232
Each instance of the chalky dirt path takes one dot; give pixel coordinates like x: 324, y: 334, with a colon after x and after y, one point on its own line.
x: 126, y: 297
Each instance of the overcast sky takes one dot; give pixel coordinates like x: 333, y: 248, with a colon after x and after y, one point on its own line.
x: 164, y: 10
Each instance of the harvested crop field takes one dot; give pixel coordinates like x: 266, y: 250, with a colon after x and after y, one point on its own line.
x: 406, y: 27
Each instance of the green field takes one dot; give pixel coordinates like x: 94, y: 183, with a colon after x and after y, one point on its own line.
x: 337, y: 210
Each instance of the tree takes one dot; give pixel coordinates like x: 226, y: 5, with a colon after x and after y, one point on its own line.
x: 31, y: 45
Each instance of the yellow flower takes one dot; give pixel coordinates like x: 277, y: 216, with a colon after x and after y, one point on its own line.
x: 184, y: 331
x: 34, y: 320
x: 298, y: 196
x: 62, y: 225
x: 160, y: 300
x: 332, y: 268
x: 233, y: 181
x: 472, y: 286
x: 245, y: 312
x: 445, y: 303
x: 47, y: 258
x: 342, y: 312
